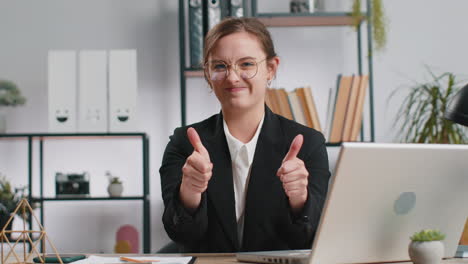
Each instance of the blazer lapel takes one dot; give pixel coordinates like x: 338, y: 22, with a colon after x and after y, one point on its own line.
x: 220, y: 187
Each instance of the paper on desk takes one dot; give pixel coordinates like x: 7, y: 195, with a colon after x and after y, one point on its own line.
x: 113, y: 260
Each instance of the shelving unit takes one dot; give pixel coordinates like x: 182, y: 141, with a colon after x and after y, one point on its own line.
x: 316, y: 19
x: 41, y: 137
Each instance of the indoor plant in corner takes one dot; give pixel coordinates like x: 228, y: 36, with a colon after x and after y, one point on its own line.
x: 426, y: 247
x: 10, y: 95
x: 421, y: 115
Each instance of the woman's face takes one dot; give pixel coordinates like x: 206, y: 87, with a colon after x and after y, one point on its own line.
x: 239, y: 71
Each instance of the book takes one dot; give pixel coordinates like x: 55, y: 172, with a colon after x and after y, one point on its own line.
x: 357, y: 120
x: 302, y: 100
x: 296, y: 108
x: 350, y: 109
x: 283, y: 102
x: 312, y: 108
x: 274, y: 101
x: 340, y: 109
x: 332, y: 94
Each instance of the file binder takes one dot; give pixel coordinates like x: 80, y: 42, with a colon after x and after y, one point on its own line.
x: 237, y: 8
x: 62, y: 90
x: 122, y: 91
x: 213, y: 13
x: 92, y: 92
x: 196, y: 32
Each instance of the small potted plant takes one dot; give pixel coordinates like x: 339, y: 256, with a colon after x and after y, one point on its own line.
x: 10, y: 95
x: 115, y: 187
x: 426, y: 247
x: 9, y: 200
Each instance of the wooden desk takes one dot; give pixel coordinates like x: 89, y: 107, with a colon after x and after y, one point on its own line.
x: 231, y: 259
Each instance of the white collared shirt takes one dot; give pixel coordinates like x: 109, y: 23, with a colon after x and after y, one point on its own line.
x: 241, y: 157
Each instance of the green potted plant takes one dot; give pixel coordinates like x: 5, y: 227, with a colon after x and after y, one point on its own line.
x: 426, y: 247
x: 9, y: 200
x: 378, y: 21
x: 10, y: 95
x: 115, y: 187
x: 420, y: 117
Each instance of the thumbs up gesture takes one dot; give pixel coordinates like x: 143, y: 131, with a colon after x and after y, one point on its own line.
x: 196, y: 172
x: 294, y: 175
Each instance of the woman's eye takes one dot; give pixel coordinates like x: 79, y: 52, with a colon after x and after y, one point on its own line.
x: 219, y: 67
x: 247, y: 64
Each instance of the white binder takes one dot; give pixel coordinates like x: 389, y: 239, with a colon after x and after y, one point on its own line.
x: 123, y: 91
x: 62, y: 91
x: 92, y: 93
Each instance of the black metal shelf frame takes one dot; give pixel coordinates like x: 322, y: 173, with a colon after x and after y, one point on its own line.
x: 366, y: 16
x: 31, y: 137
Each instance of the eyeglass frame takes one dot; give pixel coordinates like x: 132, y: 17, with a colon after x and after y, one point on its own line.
x: 229, y: 66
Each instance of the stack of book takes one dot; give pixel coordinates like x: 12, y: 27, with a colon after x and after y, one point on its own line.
x: 344, y: 112
x: 297, y: 105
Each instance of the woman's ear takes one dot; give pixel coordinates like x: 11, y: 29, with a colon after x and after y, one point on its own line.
x: 272, y: 66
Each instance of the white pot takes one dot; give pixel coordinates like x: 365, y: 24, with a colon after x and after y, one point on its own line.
x: 115, y: 189
x: 430, y: 252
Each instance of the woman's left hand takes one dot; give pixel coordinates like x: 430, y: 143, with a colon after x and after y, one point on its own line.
x: 294, y: 176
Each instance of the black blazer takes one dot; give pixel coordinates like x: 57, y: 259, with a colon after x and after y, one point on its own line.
x: 269, y: 223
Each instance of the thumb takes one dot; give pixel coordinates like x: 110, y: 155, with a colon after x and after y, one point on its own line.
x: 294, y: 148
x: 194, y: 139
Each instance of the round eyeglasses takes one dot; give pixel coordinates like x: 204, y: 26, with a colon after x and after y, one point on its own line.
x: 245, y: 68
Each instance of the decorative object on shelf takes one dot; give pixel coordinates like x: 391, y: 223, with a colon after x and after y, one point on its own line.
x: 420, y: 116
x: 378, y: 21
x: 127, y: 240
x: 10, y: 95
x: 115, y: 187
x: 306, y: 6
x: 300, y: 6
x: 9, y: 200
x: 426, y: 247
x: 26, y: 236
x: 72, y: 184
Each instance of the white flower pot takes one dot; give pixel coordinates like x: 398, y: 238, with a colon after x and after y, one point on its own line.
x: 430, y: 252
x: 115, y: 189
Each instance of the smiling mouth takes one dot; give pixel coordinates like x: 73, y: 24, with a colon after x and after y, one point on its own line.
x: 235, y: 89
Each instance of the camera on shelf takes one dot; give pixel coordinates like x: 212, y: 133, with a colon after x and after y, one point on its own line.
x: 72, y: 184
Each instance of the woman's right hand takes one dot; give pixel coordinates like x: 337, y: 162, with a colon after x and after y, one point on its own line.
x: 196, y: 173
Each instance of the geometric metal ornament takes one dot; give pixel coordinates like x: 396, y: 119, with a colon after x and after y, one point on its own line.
x: 24, y: 238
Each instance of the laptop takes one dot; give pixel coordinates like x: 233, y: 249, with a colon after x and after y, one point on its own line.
x: 380, y: 195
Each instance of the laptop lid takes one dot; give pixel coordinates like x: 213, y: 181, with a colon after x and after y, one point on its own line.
x: 381, y: 194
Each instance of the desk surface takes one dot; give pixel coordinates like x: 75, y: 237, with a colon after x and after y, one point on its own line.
x: 231, y: 259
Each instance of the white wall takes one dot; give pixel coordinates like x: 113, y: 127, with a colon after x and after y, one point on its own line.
x: 420, y: 32
x: 28, y: 29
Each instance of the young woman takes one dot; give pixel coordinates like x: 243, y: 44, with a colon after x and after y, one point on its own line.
x: 245, y: 179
